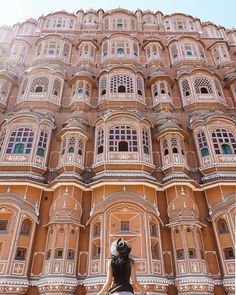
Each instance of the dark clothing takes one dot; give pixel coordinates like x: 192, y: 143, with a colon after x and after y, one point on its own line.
x: 121, y: 270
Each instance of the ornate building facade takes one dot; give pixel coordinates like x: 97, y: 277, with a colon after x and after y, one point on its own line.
x: 117, y: 124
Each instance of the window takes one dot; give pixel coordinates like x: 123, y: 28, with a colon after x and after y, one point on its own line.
x: 39, y: 84
x: 203, y: 86
x: 202, y: 254
x: 191, y: 253
x: 223, y: 227
x: 124, y: 225
x: 154, y: 251
x: 121, y: 89
x: 59, y: 253
x: 70, y: 254
x: 23, y: 86
x: 25, y: 227
x: 100, y: 141
x: 165, y: 147
x: 57, y: 85
x: 48, y: 254
x: 186, y: 89
x: 20, y: 254
x: 145, y: 134
x: 161, y: 91
x: 120, y: 51
x: 153, y: 52
x: 105, y: 49
x: 42, y: 144
x: 97, y: 230
x: 21, y: 141
x: 174, y: 53
x: 123, y: 134
x: 220, y: 54
x: 229, y: 253
x: 19, y: 148
x: 139, y: 86
x: 3, y: 224
x: 153, y: 230
x: 2, y: 138
x: 121, y: 84
x: 202, y: 144
x: 71, y: 145
x: 224, y: 142
x: 174, y: 145
x: 123, y: 146
x: 4, y: 90
x: 226, y: 149
x: 103, y: 86
x: 180, y: 254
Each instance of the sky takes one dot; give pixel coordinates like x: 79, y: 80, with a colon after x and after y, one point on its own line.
x: 220, y: 12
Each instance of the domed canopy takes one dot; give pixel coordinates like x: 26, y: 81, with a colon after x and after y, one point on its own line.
x: 65, y: 208
x: 183, y: 208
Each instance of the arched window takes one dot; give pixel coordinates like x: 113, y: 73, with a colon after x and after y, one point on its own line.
x: 38, y: 89
x: 224, y: 141
x: 39, y: 84
x: 186, y: 88
x: 4, y: 90
x: 174, y: 53
x: 25, y: 227
x: 63, y: 147
x: 146, y: 145
x: 139, y: 86
x: 203, y: 86
x: 100, y: 141
x: 71, y: 145
x: 123, y: 146
x: 120, y: 51
x: 57, y: 85
x: 42, y: 144
x: 103, y: 86
x: 229, y: 253
x: 19, y: 148
x: 226, y: 149
x: 23, y: 86
x: 2, y: 138
x: 21, y: 254
x: 220, y: 54
x: 165, y: 147
x: 121, y: 89
x: 223, y: 228
x: 105, y: 49
x: 21, y: 141
x: 202, y: 144
x: 161, y: 91
x: 174, y: 145
x: 155, y: 90
x: 218, y: 88
x: 121, y: 80
x: 124, y: 137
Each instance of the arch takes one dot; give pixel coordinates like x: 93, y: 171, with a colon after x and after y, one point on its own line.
x: 222, y: 226
x: 25, y: 227
x: 15, y: 202
x: 128, y: 197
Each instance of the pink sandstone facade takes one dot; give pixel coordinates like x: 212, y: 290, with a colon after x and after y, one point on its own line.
x: 117, y: 124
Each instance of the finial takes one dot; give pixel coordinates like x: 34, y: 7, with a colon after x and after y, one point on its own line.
x: 182, y: 192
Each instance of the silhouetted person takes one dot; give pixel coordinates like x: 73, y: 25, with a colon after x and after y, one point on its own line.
x: 120, y: 269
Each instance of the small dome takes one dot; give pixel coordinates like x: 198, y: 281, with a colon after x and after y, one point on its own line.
x: 166, y: 121
x: 65, y: 208
x: 183, y: 207
x: 77, y: 120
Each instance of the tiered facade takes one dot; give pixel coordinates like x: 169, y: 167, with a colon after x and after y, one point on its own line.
x: 117, y: 124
